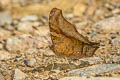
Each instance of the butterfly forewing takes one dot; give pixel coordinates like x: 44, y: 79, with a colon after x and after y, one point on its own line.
x: 65, y: 38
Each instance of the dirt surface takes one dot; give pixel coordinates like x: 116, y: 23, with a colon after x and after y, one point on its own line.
x: 25, y: 43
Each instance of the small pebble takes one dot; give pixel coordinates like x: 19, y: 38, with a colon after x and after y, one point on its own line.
x: 30, y: 62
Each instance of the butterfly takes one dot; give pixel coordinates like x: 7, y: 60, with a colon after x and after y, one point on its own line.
x: 66, y: 40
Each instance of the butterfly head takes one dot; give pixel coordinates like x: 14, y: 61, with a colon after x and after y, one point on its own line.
x: 54, y: 14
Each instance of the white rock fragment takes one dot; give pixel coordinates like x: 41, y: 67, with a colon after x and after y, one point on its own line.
x: 49, y: 53
x: 26, y: 42
x: 95, y: 69
x: 14, y: 43
x: 32, y: 51
x: 109, y: 24
x: 91, y: 60
x: 25, y: 27
x: 42, y: 31
x: 91, y: 78
x: 19, y: 75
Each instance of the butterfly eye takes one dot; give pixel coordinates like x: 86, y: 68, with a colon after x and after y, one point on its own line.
x: 52, y: 13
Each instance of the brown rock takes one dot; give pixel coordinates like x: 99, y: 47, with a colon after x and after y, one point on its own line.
x: 25, y: 42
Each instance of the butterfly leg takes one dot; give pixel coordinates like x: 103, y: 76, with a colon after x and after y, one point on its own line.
x: 67, y: 61
x: 53, y: 64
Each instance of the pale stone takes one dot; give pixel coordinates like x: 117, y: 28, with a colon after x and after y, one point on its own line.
x: 26, y: 42
x: 109, y: 24
x: 19, y: 75
x: 95, y: 69
x: 25, y: 27
x: 91, y: 78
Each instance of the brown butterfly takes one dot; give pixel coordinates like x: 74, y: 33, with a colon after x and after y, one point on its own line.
x: 66, y: 39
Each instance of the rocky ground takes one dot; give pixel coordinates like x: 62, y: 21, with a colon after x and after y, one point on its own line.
x: 25, y: 42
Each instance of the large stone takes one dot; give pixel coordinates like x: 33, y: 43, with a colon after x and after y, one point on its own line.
x: 42, y: 31
x: 91, y: 78
x: 95, y: 69
x: 25, y: 27
x: 15, y: 44
x: 109, y: 24
x: 19, y: 75
x: 25, y: 42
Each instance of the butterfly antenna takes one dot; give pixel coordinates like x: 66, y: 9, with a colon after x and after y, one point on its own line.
x: 67, y: 61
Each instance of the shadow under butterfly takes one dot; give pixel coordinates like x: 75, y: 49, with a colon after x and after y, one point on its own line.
x: 67, y: 41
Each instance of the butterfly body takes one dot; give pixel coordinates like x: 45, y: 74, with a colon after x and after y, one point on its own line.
x: 66, y: 40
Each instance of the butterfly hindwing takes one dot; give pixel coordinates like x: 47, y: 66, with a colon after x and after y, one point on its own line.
x: 65, y: 38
